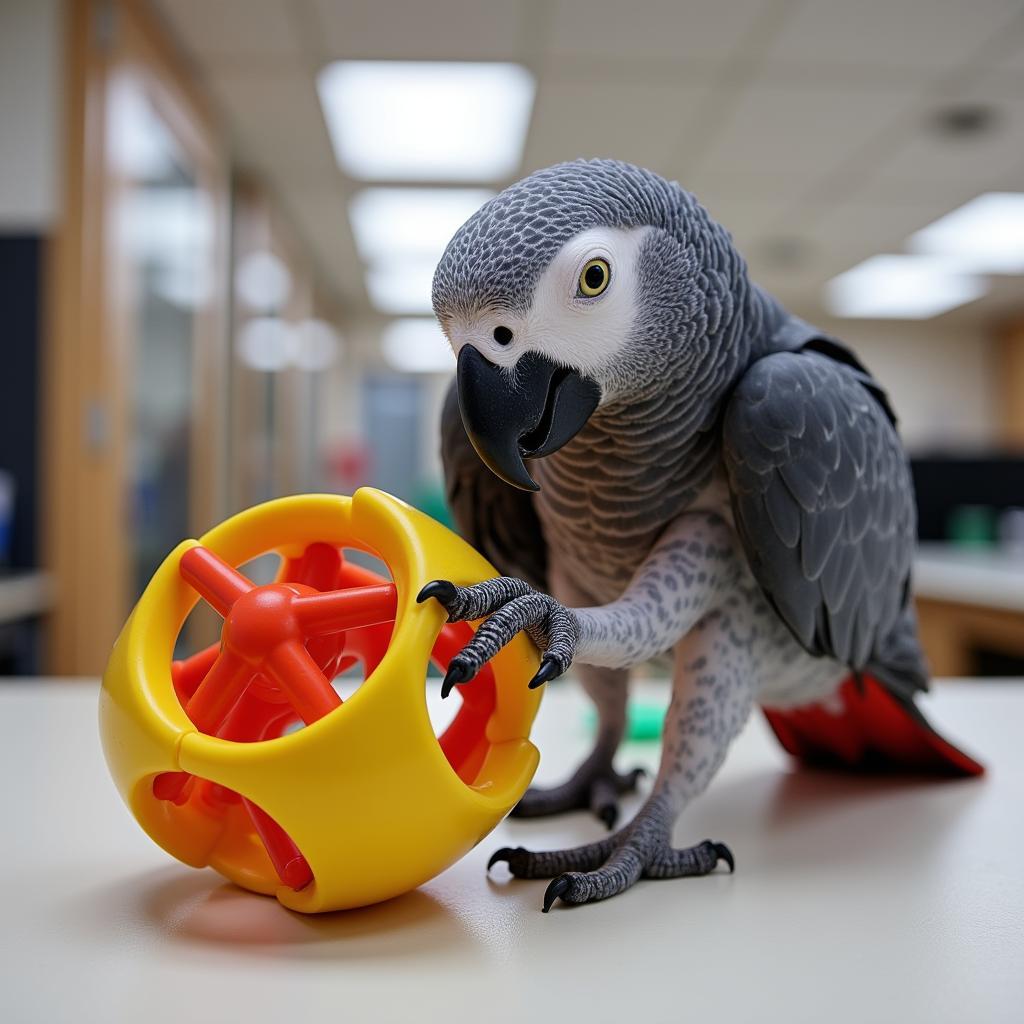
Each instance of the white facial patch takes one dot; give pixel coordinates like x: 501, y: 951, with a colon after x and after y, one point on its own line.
x: 570, y: 329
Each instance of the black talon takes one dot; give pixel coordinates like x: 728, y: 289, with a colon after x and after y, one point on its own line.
x: 556, y: 890
x: 443, y: 590
x: 724, y: 853
x: 549, y: 669
x: 504, y: 854
x: 457, y: 673
x: 609, y: 815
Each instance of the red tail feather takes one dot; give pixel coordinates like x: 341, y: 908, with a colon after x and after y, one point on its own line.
x: 867, y: 730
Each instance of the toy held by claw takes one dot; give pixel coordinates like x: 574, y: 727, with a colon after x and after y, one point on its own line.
x: 244, y: 757
x: 664, y: 461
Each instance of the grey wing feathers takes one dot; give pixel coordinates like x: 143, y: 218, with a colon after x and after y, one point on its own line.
x: 498, y: 520
x: 824, y: 506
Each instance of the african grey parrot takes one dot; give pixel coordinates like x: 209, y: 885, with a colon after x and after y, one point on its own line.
x: 709, y: 477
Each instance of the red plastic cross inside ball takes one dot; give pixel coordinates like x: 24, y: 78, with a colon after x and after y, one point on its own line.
x: 281, y: 646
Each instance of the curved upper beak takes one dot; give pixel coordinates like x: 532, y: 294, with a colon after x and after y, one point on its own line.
x: 525, y: 414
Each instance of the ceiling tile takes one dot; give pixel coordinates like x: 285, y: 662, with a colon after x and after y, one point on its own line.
x: 276, y: 121
x: 438, y: 30
x: 927, y: 162
x: 793, y: 256
x: 321, y: 217
x: 638, y: 81
x: 780, y: 142
x: 935, y: 34
x: 1012, y: 59
x: 858, y: 229
x: 647, y: 29
x: 755, y: 225
x: 233, y: 28
x: 632, y: 121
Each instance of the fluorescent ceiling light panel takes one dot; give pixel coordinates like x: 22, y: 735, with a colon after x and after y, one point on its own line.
x: 389, y: 222
x: 425, y: 120
x: 401, y: 285
x: 262, y: 281
x: 316, y: 346
x: 266, y: 343
x: 417, y: 345
x: 986, y: 234
x: 901, y: 288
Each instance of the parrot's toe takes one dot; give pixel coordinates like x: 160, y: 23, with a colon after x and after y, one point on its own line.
x: 458, y: 672
x: 508, y: 606
x: 598, y: 871
x: 549, y: 669
x: 556, y: 890
x: 595, y: 786
x: 724, y: 853
x: 475, y: 601
x: 441, y: 590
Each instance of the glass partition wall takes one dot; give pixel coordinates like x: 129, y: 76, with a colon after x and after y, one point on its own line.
x: 138, y: 350
x: 189, y: 344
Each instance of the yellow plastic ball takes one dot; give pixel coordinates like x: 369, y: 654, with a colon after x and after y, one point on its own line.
x: 365, y: 793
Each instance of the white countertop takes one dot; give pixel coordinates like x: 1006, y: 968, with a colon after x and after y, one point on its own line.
x: 861, y: 900
x: 981, y: 576
x: 23, y: 594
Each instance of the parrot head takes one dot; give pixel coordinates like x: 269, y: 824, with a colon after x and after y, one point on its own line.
x: 574, y: 288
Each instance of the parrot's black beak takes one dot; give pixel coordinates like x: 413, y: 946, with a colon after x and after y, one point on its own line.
x: 525, y: 414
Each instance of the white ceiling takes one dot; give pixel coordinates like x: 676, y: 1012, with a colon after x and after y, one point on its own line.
x: 806, y: 126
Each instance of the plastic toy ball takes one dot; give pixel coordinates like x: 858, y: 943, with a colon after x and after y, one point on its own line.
x: 244, y: 757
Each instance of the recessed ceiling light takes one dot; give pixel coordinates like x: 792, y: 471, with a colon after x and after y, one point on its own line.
x: 262, y: 281
x: 965, y: 120
x: 901, y: 288
x: 401, y: 285
x: 985, y: 235
x: 316, y: 346
x: 389, y: 222
x: 266, y: 343
x: 426, y: 121
x: 416, y: 345
x: 187, y: 284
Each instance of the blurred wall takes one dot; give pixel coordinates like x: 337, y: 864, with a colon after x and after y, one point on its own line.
x: 343, y: 414
x: 31, y: 52
x: 941, y: 378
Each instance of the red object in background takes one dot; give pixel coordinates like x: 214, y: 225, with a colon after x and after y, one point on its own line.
x: 281, y: 646
x: 347, y: 464
x: 868, y: 730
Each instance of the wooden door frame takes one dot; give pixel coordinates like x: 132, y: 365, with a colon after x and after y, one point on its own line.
x: 88, y: 363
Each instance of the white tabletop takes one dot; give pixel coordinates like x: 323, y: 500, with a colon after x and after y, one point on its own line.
x: 24, y: 594
x: 988, y: 577
x: 855, y: 900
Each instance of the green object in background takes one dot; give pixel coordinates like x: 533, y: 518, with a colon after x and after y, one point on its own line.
x: 643, y: 722
x: 972, y: 526
x: 429, y: 498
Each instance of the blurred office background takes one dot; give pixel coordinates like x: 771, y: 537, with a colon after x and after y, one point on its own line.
x: 218, y: 221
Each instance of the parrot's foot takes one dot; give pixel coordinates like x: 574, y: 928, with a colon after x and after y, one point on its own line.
x: 595, y: 786
x: 596, y: 871
x: 512, y: 606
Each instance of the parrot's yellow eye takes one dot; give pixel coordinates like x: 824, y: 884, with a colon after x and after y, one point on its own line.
x: 594, y: 278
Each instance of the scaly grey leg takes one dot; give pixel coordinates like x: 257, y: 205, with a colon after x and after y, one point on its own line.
x: 595, y: 785
x: 714, y: 687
